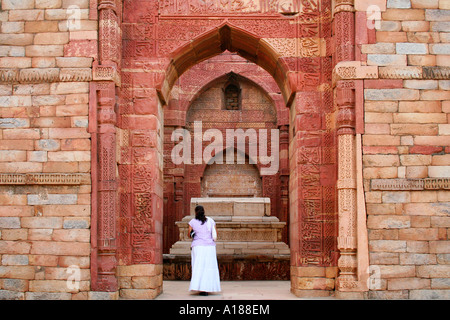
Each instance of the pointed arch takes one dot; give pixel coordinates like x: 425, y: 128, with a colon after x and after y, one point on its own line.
x: 276, y: 101
x: 233, y: 39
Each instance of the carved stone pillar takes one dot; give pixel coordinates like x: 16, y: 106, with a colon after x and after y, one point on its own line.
x: 344, y: 24
x: 105, y: 171
x: 346, y: 185
x: 179, y: 195
x: 284, y: 178
x: 107, y: 188
x: 109, y: 32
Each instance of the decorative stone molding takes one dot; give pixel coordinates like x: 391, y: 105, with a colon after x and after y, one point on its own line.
x: 285, y: 47
x: 352, y: 70
x: 45, y: 75
x: 415, y: 72
x: 75, y: 75
x: 302, y: 47
x: 43, y: 179
x: 343, y: 6
x: 9, y: 75
x: 436, y: 73
x: 36, y: 75
x: 106, y: 73
x: 405, y: 72
x: 410, y: 184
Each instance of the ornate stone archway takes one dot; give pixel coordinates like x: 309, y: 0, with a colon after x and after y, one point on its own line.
x: 266, y: 110
x: 142, y: 55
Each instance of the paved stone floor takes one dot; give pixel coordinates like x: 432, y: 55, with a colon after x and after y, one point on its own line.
x: 232, y: 290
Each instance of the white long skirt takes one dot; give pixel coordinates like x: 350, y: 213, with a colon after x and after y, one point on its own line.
x: 205, y: 270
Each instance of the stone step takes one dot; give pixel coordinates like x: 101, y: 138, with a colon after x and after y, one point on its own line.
x: 225, y: 218
x: 236, y: 248
x: 233, y: 267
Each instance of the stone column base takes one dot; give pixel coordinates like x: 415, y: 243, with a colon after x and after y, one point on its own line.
x: 311, y: 282
x: 140, y: 281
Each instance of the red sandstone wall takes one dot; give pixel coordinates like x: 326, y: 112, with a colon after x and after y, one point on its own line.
x: 45, y: 148
x: 405, y: 148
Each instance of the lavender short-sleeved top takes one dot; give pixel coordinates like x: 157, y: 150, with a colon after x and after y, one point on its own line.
x: 203, y: 232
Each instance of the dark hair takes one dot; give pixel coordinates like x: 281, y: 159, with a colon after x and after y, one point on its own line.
x: 200, y: 214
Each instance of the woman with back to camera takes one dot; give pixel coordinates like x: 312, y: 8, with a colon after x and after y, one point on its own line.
x: 205, y: 271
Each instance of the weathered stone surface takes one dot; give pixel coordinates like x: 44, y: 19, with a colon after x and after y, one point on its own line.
x: 139, y: 270
x: 75, y: 224
x: 440, y: 48
x: 391, y: 94
x: 437, y: 15
x: 387, y: 246
x: 42, y: 222
x: 48, y: 296
x: 400, y: 4
x: 52, y: 199
x: 388, y: 222
x: 386, y: 59
x: 429, y: 294
x: 14, y: 260
x: 408, y: 283
x: 411, y: 48
x: 16, y: 5
x: 139, y: 294
x: 98, y: 295
x: 11, y: 295
x: 9, y: 222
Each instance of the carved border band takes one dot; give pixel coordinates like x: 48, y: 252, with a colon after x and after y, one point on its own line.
x: 415, y: 72
x: 41, y: 178
x: 106, y: 73
x: 45, y: 75
x: 410, y: 184
x: 351, y: 70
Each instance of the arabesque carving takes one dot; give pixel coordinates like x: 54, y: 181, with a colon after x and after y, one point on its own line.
x: 161, y: 40
x: 42, y: 178
x: 410, y: 184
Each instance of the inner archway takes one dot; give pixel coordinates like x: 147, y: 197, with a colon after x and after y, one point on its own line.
x: 214, y: 178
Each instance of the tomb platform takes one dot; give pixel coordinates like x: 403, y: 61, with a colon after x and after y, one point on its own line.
x: 248, y: 245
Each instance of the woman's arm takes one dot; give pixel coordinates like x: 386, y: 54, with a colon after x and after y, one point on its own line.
x: 190, y: 232
x: 214, y: 232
